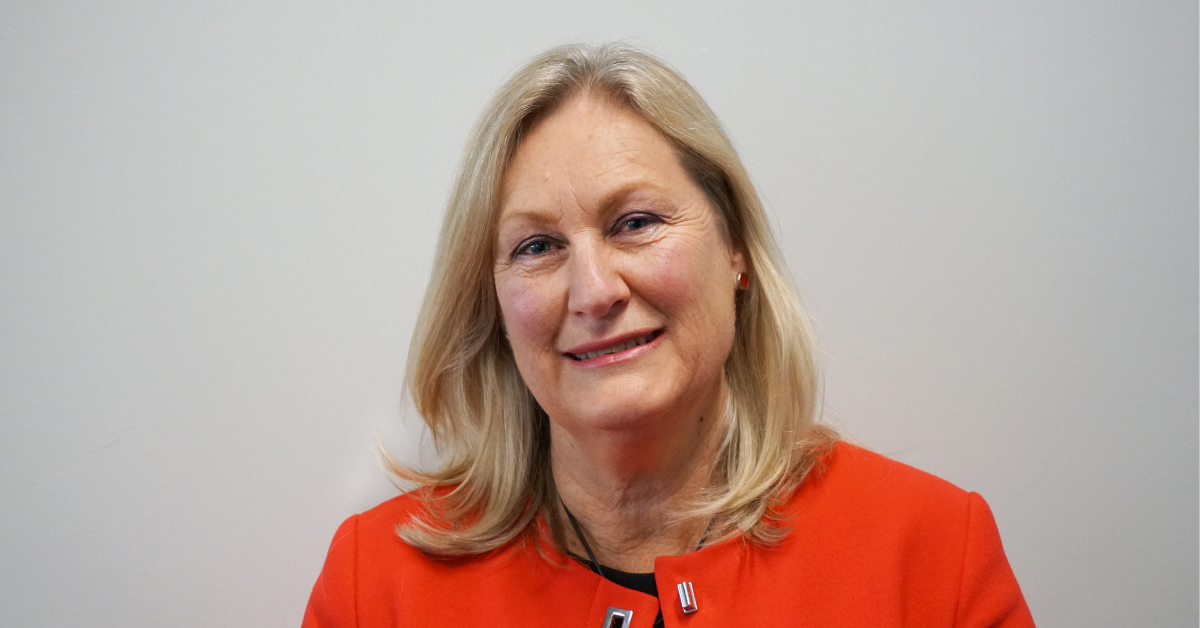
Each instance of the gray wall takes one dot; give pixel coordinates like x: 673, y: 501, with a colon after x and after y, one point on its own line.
x: 216, y: 221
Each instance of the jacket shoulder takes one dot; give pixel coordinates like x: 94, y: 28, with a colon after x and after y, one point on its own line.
x: 936, y: 539
x: 366, y: 561
x: 393, y: 512
x: 850, y: 467
x: 869, y: 492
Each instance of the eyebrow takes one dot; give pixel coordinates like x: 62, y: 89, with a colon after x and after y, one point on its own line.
x: 618, y: 198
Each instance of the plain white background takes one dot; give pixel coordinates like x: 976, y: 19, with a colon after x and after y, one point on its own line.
x: 217, y: 219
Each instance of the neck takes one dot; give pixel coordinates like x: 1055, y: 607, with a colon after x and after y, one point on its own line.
x: 626, y: 487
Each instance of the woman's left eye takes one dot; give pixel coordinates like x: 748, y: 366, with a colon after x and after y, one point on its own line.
x: 635, y: 223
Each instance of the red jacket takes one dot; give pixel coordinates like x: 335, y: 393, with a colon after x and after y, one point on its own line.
x: 873, y: 543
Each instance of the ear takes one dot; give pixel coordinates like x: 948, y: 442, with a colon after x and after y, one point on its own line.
x: 737, y: 261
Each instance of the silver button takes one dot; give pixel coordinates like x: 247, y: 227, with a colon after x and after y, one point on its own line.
x: 618, y: 618
x: 687, y: 597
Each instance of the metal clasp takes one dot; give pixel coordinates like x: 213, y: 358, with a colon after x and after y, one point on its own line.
x: 618, y: 618
x: 687, y: 597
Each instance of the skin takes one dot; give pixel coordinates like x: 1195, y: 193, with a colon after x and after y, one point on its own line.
x: 601, y: 234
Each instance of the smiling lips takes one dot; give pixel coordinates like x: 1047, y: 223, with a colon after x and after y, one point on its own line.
x: 615, y: 348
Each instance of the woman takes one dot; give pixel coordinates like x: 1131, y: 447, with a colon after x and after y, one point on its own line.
x: 621, y: 386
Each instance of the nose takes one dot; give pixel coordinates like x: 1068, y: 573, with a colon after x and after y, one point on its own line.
x: 597, y: 288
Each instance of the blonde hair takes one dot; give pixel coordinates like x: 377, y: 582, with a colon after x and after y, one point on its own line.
x: 491, y: 434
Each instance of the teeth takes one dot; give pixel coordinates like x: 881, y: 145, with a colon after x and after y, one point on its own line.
x: 629, y: 344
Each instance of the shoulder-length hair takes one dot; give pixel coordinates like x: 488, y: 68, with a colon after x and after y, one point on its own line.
x: 491, y: 435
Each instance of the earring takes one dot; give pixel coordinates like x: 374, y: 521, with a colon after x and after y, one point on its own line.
x: 743, y: 280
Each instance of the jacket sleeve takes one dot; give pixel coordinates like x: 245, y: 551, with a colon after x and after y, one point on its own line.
x: 332, y: 603
x: 989, y: 594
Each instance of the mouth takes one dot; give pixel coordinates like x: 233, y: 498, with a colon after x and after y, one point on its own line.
x: 617, y: 347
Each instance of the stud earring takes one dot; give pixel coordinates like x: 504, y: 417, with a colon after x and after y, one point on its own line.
x: 743, y: 280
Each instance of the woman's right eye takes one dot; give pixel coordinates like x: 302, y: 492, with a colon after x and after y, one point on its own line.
x: 535, y: 247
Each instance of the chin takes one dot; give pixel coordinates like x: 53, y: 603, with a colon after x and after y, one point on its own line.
x: 609, y: 413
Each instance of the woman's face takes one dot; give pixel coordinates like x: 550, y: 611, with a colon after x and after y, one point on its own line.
x: 614, y: 276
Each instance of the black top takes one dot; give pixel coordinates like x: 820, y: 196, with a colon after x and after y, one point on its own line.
x: 642, y: 582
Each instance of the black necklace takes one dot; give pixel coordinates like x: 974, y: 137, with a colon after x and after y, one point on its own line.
x: 592, y: 557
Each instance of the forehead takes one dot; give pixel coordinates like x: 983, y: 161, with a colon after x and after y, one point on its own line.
x: 587, y: 151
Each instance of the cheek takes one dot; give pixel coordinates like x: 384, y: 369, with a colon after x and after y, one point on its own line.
x: 529, y: 309
x: 685, y: 281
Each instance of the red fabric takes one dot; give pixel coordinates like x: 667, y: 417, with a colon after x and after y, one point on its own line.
x: 873, y: 543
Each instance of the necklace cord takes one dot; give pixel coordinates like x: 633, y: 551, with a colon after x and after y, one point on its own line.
x: 579, y: 533
x: 707, y: 529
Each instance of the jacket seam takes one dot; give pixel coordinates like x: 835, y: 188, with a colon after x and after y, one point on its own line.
x: 962, y: 567
x: 354, y: 571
